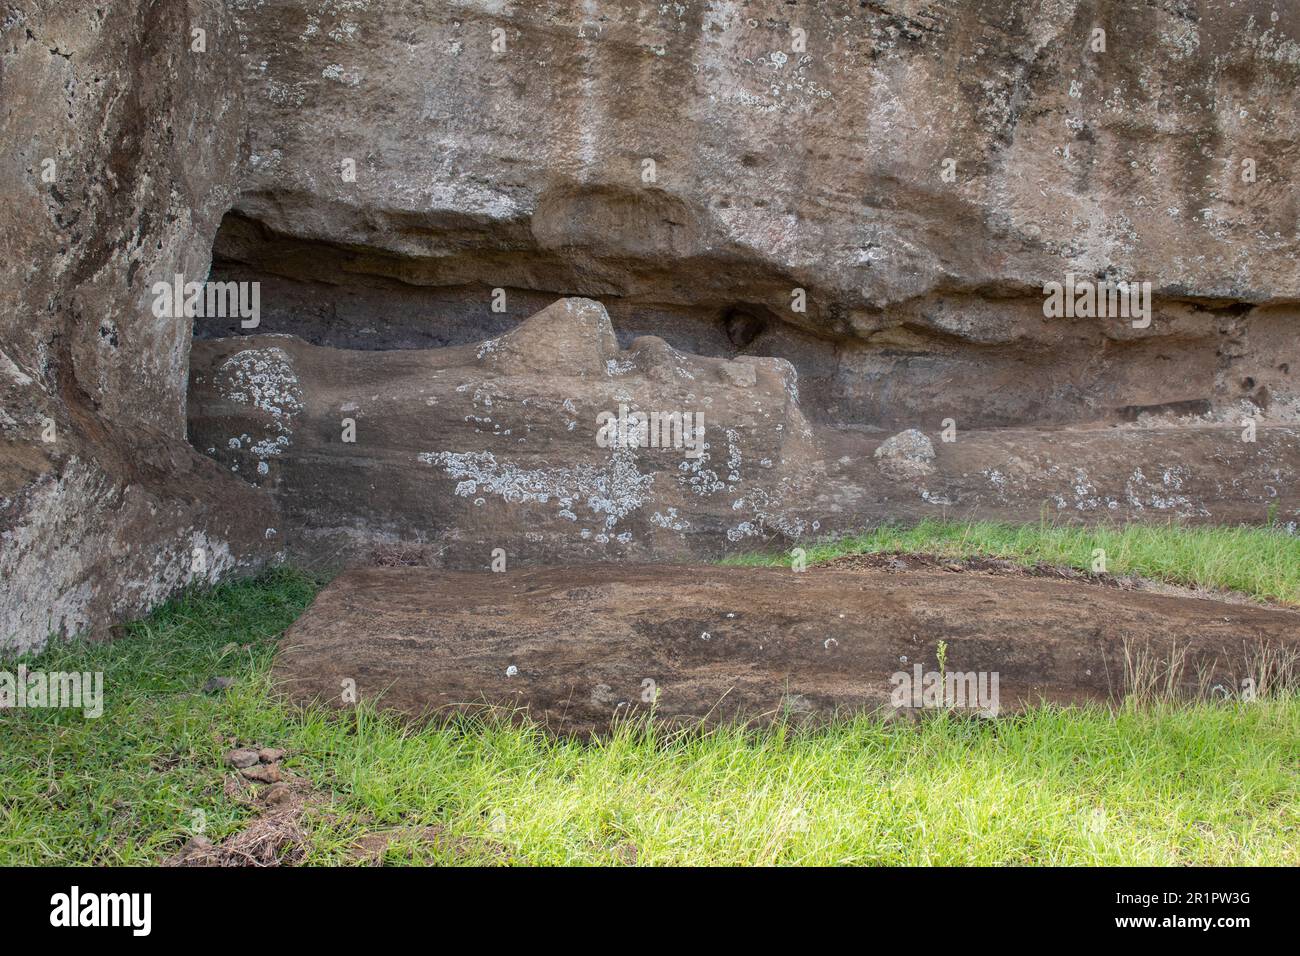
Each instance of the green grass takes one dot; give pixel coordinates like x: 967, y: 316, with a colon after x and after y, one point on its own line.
x: 1186, y: 784
x: 1262, y: 562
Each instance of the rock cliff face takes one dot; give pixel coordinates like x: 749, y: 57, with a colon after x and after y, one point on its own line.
x: 121, y: 152
x: 871, y: 196
x: 920, y: 170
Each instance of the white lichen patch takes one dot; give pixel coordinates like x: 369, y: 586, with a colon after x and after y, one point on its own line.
x: 613, y: 491
x: 698, y: 478
x: 285, y: 94
x: 733, y: 455
x: 1142, y: 494
x: 264, y: 379
x: 906, y: 456
x: 669, y: 520
x: 767, y: 516
x: 996, y: 479
x: 339, y: 74
x: 745, y: 529
x: 930, y: 498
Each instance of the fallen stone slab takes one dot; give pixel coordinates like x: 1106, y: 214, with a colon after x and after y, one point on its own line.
x: 579, y: 647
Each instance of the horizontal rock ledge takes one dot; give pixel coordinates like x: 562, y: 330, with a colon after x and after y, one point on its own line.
x: 457, y: 451
x: 578, y: 647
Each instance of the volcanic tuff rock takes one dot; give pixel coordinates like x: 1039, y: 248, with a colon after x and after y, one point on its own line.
x: 776, y: 166
x: 495, y: 445
x: 450, y: 454
x: 794, y: 146
x: 906, y: 455
x: 105, y: 509
x: 578, y: 647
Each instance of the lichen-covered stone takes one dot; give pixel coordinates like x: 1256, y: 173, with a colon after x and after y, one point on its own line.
x: 453, y: 454
x: 909, y: 454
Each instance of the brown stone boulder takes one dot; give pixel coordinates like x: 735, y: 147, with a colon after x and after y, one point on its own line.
x: 578, y: 647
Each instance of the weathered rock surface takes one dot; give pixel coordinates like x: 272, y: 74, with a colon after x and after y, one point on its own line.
x: 576, y: 647
x: 121, y: 149
x: 907, y: 455
x: 777, y: 170
x: 776, y: 166
x: 495, y: 445
x: 794, y: 147
x: 779, y: 166
x: 460, y: 451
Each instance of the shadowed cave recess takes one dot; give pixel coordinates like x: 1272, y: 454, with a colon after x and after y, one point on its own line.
x: 841, y: 425
x: 987, y: 357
